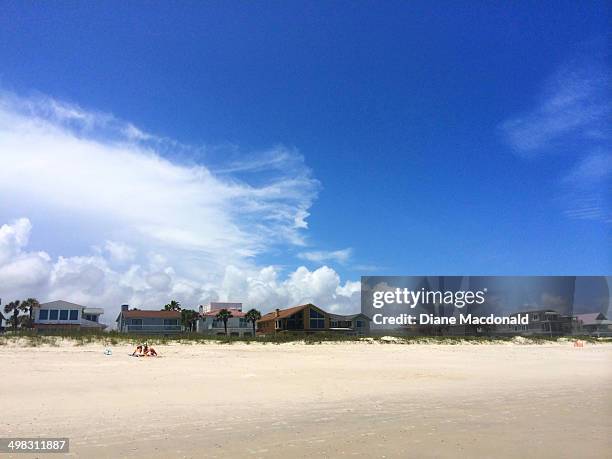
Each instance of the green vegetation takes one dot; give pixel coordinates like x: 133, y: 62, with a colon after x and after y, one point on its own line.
x: 224, y: 315
x: 173, y: 306
x: 253, y: 316
x: 16, y: 320
x: 113, y: 338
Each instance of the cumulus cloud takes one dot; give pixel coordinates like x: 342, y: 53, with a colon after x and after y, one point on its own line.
x: 93, y: 281
x: 146, y: 226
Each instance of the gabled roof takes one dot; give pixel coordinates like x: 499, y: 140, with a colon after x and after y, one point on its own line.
x: 284, y: 313
x: 138, y: 314
x: 60, y: 302
x: 591, y: 319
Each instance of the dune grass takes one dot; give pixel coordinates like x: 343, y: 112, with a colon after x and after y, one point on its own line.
x: 113, y: 338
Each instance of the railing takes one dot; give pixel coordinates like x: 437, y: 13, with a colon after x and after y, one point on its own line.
x: 152, y: 328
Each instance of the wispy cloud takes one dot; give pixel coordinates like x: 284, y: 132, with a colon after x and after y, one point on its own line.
x: 573, y: 117
x: 321, y: 256
x: 588, y: 186
x: 157, y: 226
x: 574, y: 105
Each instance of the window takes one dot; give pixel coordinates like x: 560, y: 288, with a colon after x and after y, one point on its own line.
x: 74, y: 314
x: 360, y: 324
x: 135, y: 321
x: 53, y: 314
x: 170, y: 322
x: 317, y: 320
x: 43, y: 314
x: 63, y: 314
x: 243, y: 323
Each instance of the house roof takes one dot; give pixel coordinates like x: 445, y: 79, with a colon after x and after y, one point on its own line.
x: 592, y: 318
x: 214, y: 312
x: 59, y: 303
x: 138, y: 314
x: 284, y: 313
x: 535, y: 311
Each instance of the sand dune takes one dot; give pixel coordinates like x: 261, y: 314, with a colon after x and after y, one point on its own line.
x: 329, y: 400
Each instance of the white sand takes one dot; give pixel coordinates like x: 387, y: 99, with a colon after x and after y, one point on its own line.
x: 296, y: 400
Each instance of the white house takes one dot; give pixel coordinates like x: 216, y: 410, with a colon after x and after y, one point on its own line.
x: 237, y: 325
x: 63, y: 315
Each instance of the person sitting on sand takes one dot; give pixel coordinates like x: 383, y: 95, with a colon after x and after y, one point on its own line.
x: 149, y: 351
x: 138, y: 351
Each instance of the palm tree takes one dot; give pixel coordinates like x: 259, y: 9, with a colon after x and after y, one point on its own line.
x: 253, y: 316
x: 173, y: 306
x: 13, y: 307
x: 22, y: 321
x: 224, y: 315
x: 28, y: 306
x: 188, y: 318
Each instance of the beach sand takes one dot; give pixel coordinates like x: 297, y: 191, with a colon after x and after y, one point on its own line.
x: 298, y: 400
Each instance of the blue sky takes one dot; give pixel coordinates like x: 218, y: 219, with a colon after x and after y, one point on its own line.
x: 425, y: 138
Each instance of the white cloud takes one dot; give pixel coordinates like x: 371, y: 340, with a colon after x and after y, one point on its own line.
x: 587, y: 186
x: 146, y: 228
x: 339, y: 256
x: 574, y: 105
x: 321, y: 286
x: 91, y: 280
x: 119, y: 251
x: 594, y: 168
x: 573, y: 116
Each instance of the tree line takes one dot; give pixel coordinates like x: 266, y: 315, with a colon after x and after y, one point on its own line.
x: 15, y: 318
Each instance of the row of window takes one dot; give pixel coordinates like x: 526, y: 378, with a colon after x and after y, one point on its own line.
x: 166, y: 322
x: 218, y: 323
x: 345, y: 324
x: 58, y: 314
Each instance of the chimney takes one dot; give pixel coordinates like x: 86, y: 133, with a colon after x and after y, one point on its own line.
x: 125, y: 307
x: 277, y: 312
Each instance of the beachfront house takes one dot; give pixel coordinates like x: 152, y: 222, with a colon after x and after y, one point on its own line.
x: 63, y: 315
x: 543, y: 322
x: 304, y: 318
x: 237, y: 325
x: 595, y: 324
x: 309, y: 318
x: 148, y: 322
x: 354, y: 324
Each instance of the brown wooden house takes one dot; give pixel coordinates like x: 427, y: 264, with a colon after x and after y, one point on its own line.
x: 304, y: 318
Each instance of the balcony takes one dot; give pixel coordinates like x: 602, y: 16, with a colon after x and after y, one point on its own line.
x: 127, y: 328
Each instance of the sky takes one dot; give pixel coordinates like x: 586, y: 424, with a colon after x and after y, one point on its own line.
x: 273, y: 152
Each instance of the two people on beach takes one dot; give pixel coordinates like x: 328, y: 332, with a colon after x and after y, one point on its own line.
x: 144, y: 350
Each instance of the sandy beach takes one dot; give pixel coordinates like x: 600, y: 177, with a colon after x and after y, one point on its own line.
x: 328, y: 400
